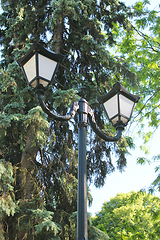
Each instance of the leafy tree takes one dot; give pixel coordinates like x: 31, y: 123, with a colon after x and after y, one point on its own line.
x: 138, y: 46
x: 135, y: 215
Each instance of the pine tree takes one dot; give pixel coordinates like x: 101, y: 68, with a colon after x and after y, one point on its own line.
x: 43, y: 153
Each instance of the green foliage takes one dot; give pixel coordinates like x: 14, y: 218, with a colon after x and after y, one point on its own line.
x: 7, y: 198
x: 138, y: 45
x: 130, y: 216
x: 142, y: 160
x: 65, y: 96
x: 37, y: 118
x: 46, y: 223
x: 93, y: 232
x: 140, y: 49
x: 96, y: 234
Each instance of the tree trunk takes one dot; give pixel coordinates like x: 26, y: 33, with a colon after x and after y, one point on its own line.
x: 28, y: 168
x: 57, y: 37
x: 28, y: 164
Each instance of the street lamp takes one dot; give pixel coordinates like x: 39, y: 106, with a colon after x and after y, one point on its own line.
x: 119, y: 104
x: 39, y: 66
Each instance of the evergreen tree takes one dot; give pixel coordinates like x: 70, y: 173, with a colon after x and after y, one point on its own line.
x: 43, y: 153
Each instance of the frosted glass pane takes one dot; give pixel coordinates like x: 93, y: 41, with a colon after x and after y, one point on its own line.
x: 46, y: 67
x: 111, y: 106
x: 124, y: 120
x: 115, y: 120
x: 30, y: 68
x: 44, y: 83
x: 126, y: 106
x: 34, y: 84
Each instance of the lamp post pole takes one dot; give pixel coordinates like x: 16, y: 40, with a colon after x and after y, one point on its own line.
x: 84, y: 112
x: 82, y: 172
x: 39, y: 66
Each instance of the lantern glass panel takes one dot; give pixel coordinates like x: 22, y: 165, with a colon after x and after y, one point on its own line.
x: 46, y: 68
x: 111, y: 106
x: 126, y: 106
x: 124, y: 120
x: 115, y: 120
x: 44, y: 83
x: 34, y: 84
x: 30, y: 68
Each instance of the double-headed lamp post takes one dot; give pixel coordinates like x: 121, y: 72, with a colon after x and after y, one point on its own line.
x: 39, y: 66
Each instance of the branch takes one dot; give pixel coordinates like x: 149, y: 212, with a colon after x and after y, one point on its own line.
x: 147, y: 102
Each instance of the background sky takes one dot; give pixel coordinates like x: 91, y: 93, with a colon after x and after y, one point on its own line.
x: 136, y: 176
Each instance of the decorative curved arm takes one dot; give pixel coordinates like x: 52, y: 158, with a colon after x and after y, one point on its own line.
x: 73, y: 109
x: 102, y: 135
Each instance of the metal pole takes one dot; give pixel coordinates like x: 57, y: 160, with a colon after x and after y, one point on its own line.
x: 82, y: 173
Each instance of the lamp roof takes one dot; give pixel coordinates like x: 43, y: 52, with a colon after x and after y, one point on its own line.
x: 37, y: 47
x: 118, y: 87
